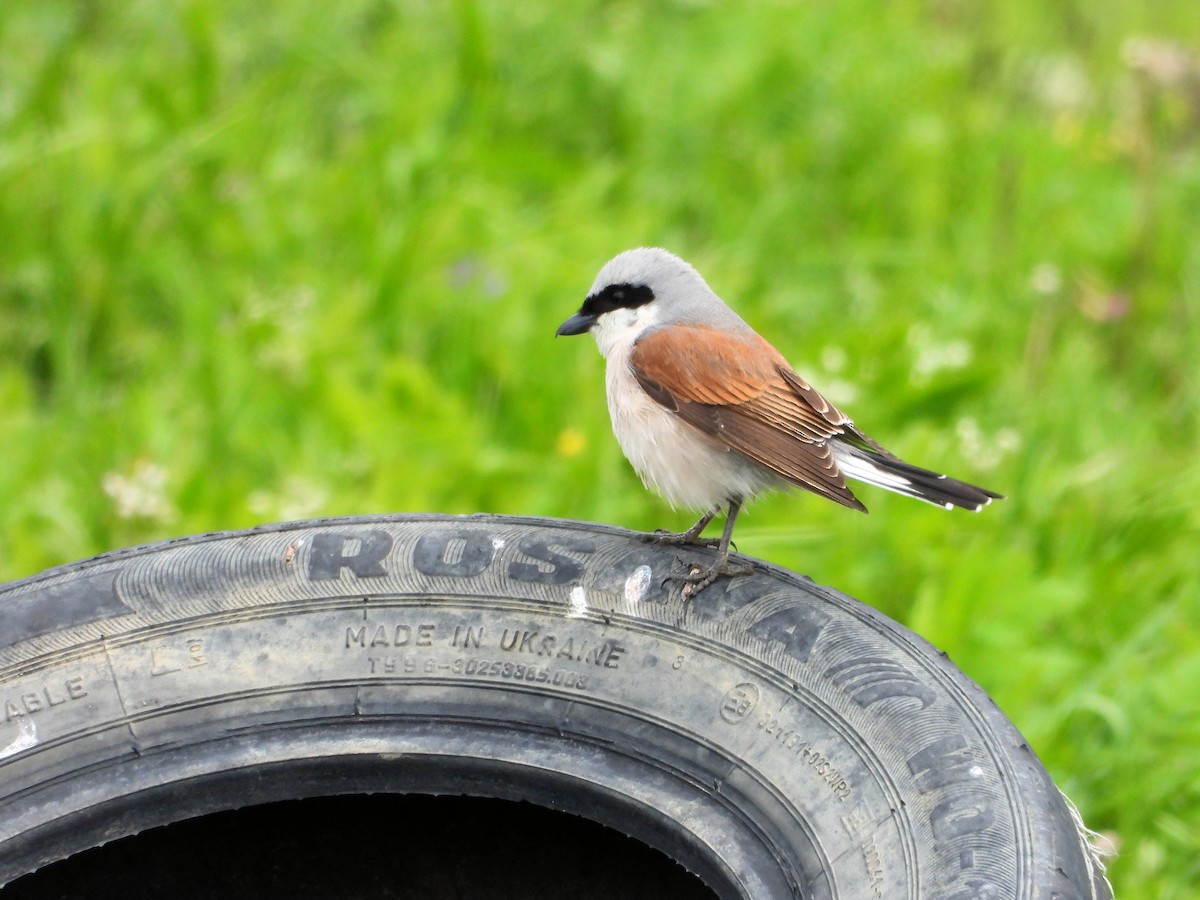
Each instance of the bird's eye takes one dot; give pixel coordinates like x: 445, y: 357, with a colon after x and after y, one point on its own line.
x: 620, y: 296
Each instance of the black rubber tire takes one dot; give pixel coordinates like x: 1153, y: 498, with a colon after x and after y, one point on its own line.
x: 777, y: 738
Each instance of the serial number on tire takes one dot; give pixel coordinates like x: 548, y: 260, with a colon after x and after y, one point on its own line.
x: 479, y: 667
x: 794, y: 743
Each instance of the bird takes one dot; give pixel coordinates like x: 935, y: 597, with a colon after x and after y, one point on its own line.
x: 711, y: 415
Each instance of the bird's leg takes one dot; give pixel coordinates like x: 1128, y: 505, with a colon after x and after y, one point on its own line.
x: 691, y: 536
x: 698, y: 581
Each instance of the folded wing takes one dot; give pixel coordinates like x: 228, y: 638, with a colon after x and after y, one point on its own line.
x: 741, y: 393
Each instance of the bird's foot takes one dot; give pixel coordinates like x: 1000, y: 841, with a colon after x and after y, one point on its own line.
x: 677, y: 538
x: 699, y: 577
x: 691, y: 536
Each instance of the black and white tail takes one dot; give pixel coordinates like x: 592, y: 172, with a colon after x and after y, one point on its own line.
x: 882, y: 469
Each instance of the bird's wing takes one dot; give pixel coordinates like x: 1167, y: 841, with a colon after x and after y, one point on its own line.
x: 740, y: 392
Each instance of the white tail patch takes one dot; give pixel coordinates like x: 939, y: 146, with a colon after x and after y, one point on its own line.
x: 863, y: 470
x: 860, y: 468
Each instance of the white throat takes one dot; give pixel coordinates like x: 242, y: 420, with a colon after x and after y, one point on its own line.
x: 617, y: 330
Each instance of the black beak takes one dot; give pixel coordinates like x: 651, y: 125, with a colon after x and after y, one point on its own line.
x: 577, y: 324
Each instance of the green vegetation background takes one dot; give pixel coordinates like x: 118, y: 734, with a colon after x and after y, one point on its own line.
x: 263, y: 261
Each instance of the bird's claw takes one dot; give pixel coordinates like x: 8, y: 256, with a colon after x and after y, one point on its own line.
x: 677, y: 538
x: 698, y: 578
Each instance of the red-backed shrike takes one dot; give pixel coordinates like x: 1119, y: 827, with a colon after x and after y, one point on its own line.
x: 710, y: 414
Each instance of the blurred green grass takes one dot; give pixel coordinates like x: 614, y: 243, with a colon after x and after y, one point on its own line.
x: 267, y: 261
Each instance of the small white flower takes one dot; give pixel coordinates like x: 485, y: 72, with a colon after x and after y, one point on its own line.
x: 298, y: 499
x: 1061, y: 84
x: 839, y: 391
x: 936, y: 356
x: 1046, y: 278
x: 833, y: 359
x: 140, y: 493
x: 281, y: 322
x: 983, y: 451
